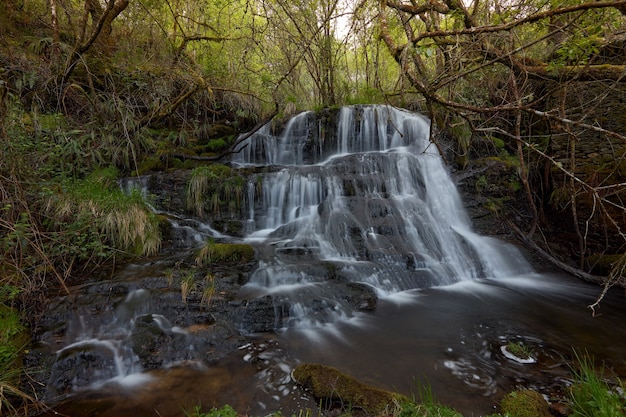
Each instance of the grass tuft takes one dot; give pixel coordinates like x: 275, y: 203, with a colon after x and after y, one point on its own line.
x: 591, y: 395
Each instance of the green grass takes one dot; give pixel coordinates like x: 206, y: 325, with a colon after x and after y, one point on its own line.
x: 591, y: 395
x: 13, y: 339
x: 520, y: 350
x: 225, y: 411
x: 93, y: 217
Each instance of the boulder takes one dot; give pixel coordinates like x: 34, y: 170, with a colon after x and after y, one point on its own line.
x: 332, y: 386
x: 525, y: 403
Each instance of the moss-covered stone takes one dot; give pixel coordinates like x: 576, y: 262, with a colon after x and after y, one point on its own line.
x: 601, y: 264
x: 525, y: 403
x: 329, y: 384
x: 225, y: 252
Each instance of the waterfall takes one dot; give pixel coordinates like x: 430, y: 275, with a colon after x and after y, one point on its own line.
x: 371, y: 203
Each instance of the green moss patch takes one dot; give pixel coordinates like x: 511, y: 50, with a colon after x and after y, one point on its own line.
x: 329, y: 384
x: 525, y: 403
x: 225, y: 252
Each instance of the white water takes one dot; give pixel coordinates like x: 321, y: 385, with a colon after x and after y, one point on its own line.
x: 374, y: 198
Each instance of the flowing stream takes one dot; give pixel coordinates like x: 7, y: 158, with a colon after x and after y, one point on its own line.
x: 370, y: 262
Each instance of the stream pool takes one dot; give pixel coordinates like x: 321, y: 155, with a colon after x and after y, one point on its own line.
x: 446, y: 339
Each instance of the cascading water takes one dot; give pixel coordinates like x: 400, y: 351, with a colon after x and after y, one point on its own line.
x: 344, y: 219
x: 372, y: 202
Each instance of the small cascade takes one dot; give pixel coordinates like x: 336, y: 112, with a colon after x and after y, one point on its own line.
x: 117, y: 349
x: 284, y: 149
x: 371, y: 203
x: 186, y: 232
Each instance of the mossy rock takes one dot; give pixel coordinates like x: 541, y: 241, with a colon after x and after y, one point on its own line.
x: 328, y: 384
x: 525, y: 403
x: 601, y: 264
x: 225, y: 252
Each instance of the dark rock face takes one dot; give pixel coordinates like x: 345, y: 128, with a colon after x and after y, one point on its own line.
x: 360, y: 296
x: 262, y: 315
x: 138, y: 323
x: 81, y: 366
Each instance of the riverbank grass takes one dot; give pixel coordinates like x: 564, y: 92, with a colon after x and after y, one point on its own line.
x: 592, y: 395
x: 13, y: 339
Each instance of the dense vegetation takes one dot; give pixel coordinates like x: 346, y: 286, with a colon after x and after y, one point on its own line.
x: 91, y: 90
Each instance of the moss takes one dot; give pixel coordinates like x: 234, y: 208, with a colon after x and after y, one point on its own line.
x: 225, y: 252
x: 497, y: 142
x: 216, y: 145
x: 525, y: 403
x: 327, y: 383
x: 601, y: 264
x: 149, y: 164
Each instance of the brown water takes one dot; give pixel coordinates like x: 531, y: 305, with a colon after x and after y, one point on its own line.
x: 446, y: 338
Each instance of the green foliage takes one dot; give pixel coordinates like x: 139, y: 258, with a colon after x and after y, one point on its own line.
x: 411, y: 409
x: 10, y: 327
x: 579, y: 48
x: 591, y: 395
x: 481, y: 183
x: 216, y: 144
x: 12, y: 397
x: 96, y: 220
x: 366, y: 95
x: 560, y: 198
x: 13, y: 339
x: 214, y: 186
x: 426, y: 406
x: 225, y: 411
x: 497, y: 142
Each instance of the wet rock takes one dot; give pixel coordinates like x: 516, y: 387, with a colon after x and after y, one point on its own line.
x: 156, y: 342
x: 213, y: 342
x: 331, y: 387
x: 560, y: 409
x: 146, y: 338
x: 360, y: 296
x: 261, y: 315
x: 81, y: 366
